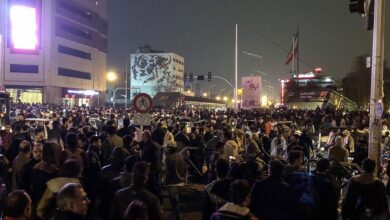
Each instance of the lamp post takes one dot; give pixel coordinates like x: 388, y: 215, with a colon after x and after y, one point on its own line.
x: 112, y: 77
x: 126, y: 77
x: 210, y: 90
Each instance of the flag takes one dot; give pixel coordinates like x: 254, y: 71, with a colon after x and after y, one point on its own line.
x: 293, y: 50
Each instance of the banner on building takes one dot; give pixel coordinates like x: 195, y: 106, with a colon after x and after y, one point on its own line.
x: 251, y: 92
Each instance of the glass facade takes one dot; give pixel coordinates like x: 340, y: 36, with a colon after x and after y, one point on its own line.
x: 30, y: 95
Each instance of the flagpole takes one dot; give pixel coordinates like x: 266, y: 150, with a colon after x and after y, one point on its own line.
x: 293, y: 57
x: 297, y: 42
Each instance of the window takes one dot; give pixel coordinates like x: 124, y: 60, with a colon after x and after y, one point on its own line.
x: 73, y: 73
x: 75, y: 10
x: 24, y: 28
x: 74, y: 52
x: 19, y: 68
x: 75, y: 31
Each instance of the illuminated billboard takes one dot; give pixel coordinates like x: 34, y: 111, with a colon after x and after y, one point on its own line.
x: 24, y: 27
x: 157, y: 72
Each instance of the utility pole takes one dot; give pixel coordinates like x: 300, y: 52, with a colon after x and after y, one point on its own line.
x: 236, y: 71
x: 376, y: 105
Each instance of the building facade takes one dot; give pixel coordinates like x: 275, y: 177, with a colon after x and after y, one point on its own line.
x: 54, y: 51
x: 157, y: 72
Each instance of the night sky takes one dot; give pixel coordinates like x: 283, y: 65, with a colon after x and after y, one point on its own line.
x: 202, y: 31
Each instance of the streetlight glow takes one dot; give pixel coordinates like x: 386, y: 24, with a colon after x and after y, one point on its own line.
x: 218, y: 98
x: 264, y: 101
x: 205, y: 94
x: 112, y: 76
x: 225, y: 98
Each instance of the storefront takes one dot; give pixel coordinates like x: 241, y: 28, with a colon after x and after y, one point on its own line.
x: 79, y: 97
x: 25, y: 94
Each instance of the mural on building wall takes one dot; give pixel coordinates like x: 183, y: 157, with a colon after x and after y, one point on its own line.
x: 156, y: 71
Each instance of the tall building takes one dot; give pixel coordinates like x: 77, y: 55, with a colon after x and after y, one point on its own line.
x: 53, y: 51
x: 157, y: 72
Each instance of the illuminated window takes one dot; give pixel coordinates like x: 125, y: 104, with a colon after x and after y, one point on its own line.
x: 24, y: 28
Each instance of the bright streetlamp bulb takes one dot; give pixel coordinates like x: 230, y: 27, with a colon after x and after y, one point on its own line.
x: 111, y: 76
x: 218, y: 98
x: 225, y: 98
x: 205, y: 94
x: 264, y: 101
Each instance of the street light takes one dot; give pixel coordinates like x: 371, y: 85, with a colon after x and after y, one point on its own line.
x: 112, y: 76
x: 205, y: 94
x: 218, y: 98
x: 225, y: 98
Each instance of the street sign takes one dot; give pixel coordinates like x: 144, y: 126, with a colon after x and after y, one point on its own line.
x: 379, y: 109
x: 142, y: 103
x: 142, y: 119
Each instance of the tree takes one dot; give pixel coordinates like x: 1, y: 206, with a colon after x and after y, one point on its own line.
x: 357, y: 83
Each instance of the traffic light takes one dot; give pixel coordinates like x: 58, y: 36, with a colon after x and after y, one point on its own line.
x: 185, y: 77
x: 191, y: 77
x: 209, y: 76
x: 356, y: 6
x: 364, y: 8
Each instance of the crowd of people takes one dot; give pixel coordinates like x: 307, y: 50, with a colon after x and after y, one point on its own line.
x: 67, y: 162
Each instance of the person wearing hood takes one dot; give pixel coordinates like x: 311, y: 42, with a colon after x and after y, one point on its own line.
x: 231, y: 147
x: 251, y: 147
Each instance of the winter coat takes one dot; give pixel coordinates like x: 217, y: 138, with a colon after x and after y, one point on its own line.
x: 231, y: 211
x: 271, y: 199
x: 125, y: 196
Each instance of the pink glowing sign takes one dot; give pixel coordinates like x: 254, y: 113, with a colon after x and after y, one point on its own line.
x: 24, y: 27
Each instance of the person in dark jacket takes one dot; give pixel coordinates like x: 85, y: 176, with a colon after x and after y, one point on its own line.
x: 271, y: 198
x: 122, y: 181
x: 27, y: 170
x: 158, y: 134
x: 175, y: 175
x: 136, y: 210
x: 176, y: 166
x: 72, y: 203
x: 137, y: 191
x: 110, y: 143
x: 326, y: 194
x: 213, y: 201
x: 366, y: 196
x: 127, y: 129
x: 92, y: 174
x: 113, y: 169
x: 54, y: 134
x: 181, y: 138
x: 237, y: 209
x: 150, y: 152
x: 44, y: 171
x: 215, y: 155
